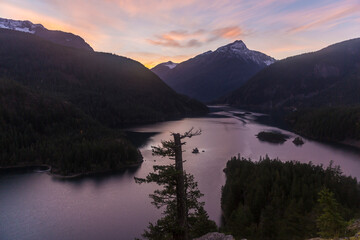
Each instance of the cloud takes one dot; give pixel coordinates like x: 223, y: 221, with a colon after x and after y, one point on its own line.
x: 165, y: 41
x: 327, y: 17
x: 193, y: 43
x: 228, y: 32
x: 186, y: 39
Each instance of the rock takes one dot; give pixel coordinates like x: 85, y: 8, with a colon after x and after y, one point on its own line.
x: 215, y: 236
x: 355, y: 226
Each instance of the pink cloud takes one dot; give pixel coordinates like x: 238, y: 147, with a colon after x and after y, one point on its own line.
x: 326, y: 17
x: 228, y: 32
x: 186, y: 39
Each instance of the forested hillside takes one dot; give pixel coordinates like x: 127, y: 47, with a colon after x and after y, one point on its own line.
x: 112, y: 89
x: 271, y: 199
x: 334, y: 124
x: 38, y: 129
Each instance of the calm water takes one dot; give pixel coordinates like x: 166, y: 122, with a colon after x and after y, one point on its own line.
x: 37, y: 206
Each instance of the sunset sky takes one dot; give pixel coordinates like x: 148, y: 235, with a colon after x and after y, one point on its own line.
x: 153, y: 31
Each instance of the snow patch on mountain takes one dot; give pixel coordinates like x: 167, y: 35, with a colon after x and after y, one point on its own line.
x: 269, y: 62
x: 21, y: 26
x: 170, y: 64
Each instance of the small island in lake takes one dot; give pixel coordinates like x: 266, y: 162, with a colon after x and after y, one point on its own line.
x: 272, y: 137
x: 298, y: 141
x: 195, y: 150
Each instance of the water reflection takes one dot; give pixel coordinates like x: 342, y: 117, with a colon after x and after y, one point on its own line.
x: 99, y: 179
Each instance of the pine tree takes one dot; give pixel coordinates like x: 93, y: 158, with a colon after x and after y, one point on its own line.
x: 330, y: 223
x: 184, y: 216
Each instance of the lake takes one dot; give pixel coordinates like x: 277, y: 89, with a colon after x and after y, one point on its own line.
x: 35, y: 205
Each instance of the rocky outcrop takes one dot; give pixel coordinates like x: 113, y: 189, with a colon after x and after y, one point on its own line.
x: 216, y: 236
x: 355, y: 226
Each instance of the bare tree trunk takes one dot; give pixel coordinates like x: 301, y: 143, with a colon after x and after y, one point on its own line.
x: 180, y: 192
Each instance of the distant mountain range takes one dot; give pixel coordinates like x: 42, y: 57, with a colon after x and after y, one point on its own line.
x: 329, y: 77
x: 213, y: 74
x: 59, y: 37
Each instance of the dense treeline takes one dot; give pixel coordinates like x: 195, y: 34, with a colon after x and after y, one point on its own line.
x: 334, y: 124
x: 111, y: 89
x: 38, y: 129
x: 271, y: 199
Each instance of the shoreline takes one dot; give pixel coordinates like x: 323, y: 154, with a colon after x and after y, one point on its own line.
x: 26, y: 167
x: 59, y: 176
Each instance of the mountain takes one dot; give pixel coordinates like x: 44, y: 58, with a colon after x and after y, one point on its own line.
x: 326, y: 78
x: 111, y: 89
x: 163, y: 69
x: 63, y: 106
x: 213, y: 74
x: 59, y: 37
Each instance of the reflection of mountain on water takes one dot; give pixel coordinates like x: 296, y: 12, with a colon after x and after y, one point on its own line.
x: 100, y: 178
x: 25, y: 169
x: 139, y: 139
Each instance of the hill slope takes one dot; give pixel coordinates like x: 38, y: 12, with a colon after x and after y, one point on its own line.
x: 38, y: 129
x: 211, y: 75
x: 270, y: 199
x: 112, y: 89
x: 329, y: 77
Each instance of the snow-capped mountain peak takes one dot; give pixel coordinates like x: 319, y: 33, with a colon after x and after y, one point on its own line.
x: 170, y: 64
x: 238, y: 49
x: 237, y: 46
x: 17, y: 25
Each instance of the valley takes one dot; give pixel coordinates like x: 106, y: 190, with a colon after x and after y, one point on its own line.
x: 125, y: 208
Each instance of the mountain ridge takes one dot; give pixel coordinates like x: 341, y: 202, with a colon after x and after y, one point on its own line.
x: 327, y: 77
x: 55, y: 36
x: 212, y: 74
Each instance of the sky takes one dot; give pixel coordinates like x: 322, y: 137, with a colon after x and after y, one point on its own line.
x: 154, y: 31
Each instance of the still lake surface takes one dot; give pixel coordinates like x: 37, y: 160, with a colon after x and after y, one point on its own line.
x: 36, y: 206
